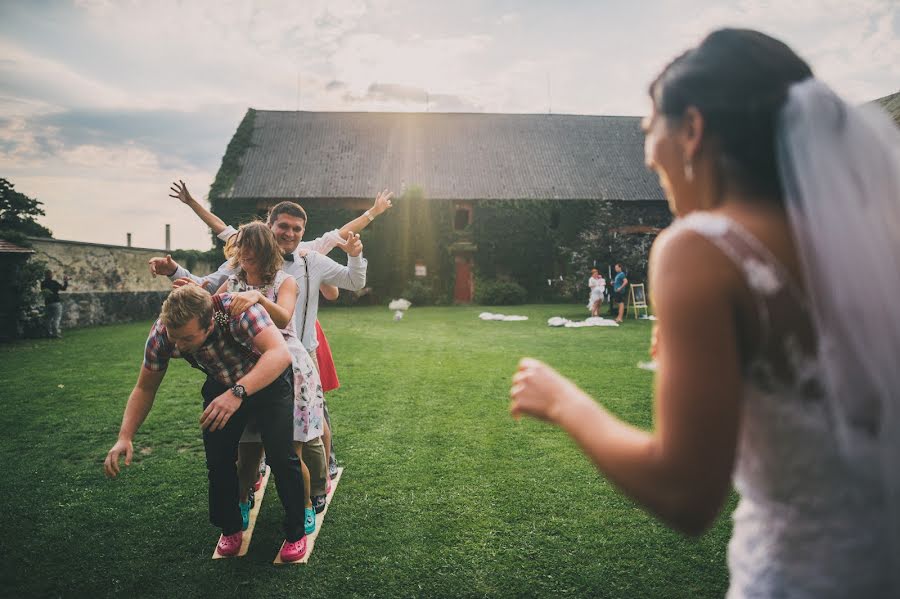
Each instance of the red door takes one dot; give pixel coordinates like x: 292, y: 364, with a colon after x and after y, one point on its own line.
x: 463, y: 290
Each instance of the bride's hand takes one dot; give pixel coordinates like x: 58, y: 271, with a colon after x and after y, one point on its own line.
x: 538, y: 391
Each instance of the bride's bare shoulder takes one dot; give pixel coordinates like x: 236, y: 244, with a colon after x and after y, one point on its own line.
x: 683, y: 260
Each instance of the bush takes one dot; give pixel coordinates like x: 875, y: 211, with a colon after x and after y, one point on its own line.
x: 499, y: 293
x: 569, y: 288
x: 419, y: 292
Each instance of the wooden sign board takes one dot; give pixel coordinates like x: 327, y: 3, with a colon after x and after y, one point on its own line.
x: 638, y: 299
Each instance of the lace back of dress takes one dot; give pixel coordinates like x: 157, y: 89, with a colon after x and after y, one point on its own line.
x: 785, y: 353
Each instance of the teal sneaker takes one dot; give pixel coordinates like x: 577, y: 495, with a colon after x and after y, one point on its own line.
x: 245, y: 513
x: 309, y: 522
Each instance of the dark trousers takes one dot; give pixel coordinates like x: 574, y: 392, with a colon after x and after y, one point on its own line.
x: 273, y: 408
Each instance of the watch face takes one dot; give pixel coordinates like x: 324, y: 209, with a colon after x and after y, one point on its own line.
x: 239, y: 391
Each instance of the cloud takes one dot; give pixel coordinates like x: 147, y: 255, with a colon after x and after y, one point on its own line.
x: 98, y: 95
x: 391, y: 94
x: 40, y: 84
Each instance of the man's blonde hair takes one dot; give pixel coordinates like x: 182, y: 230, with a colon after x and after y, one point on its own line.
x: 185, y: 303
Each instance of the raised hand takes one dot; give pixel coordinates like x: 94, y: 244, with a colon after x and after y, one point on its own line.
x: 111, y: 464
x: 382, y: 202
x: 352, y: 245
x: 163, y: 266
x: 240, y: 302
x: 181, y: 192
x: 538, y: 391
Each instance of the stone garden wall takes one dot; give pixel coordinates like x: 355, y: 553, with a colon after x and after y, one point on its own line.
x: 107, y: 283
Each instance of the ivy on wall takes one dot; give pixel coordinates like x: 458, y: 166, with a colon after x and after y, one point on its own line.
x: 524, y: 241
x: 414, y: 229
x: 233, y: 211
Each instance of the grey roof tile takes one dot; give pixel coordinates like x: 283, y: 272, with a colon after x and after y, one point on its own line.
x: 450, y: 155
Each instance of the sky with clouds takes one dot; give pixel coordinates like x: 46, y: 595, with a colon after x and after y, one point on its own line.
x: 103, y: 103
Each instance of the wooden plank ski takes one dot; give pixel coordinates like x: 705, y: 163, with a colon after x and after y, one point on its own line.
x: 248, y: 534
x: 320, y: 518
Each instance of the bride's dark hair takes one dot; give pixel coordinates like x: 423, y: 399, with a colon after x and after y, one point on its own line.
x: 738, y: 79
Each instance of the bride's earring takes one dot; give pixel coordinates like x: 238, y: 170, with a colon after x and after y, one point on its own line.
x: 688, y: 171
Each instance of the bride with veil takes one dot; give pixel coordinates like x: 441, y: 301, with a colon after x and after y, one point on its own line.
x: 773, y: 376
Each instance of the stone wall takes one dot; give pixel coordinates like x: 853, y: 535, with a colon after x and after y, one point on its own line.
x: 107, y: 307
x: 107, y: 283
x: 97, y: 267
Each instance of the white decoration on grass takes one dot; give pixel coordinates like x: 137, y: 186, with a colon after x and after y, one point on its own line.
x: 506, y: 317
x: 593, y: 321
x: 399, y: 306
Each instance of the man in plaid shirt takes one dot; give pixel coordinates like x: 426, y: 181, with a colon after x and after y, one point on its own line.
x: 248, y: 368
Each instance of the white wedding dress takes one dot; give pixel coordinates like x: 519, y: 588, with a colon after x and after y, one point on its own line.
x: 811, y: 520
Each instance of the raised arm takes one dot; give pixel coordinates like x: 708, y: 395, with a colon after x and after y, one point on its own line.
x: 139, y: 403
x: 209, y: 282
x: 180, y: 192
x: 339, y: 237
x: 681, y: 471
x: 381, y: 205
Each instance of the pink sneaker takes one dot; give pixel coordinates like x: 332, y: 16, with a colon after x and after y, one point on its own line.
x: 291, y: 552
x: 230, y: 545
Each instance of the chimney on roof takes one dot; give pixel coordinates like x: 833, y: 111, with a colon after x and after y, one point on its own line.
x: 128, y: 239
x: 168, y: 237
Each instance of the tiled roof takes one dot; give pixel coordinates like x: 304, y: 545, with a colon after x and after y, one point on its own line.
x: 302, y: 155
x: 891, y: 104
x: 7, y: 247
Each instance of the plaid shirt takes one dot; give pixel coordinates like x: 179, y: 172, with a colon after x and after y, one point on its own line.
x: 219, y: 357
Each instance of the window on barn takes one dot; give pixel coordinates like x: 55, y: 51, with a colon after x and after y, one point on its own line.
x: 461, y: 220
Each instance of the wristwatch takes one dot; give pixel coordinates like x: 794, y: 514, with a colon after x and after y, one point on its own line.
x: 369, y: 215
x: 239, y: 392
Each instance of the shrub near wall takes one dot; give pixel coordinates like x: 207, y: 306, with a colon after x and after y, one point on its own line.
x: 499, y: 293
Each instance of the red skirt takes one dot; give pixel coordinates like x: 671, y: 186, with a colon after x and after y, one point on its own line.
x: 327, y: 373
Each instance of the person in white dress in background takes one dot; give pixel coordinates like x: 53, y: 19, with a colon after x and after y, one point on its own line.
x: 597, y: 285
x: 769, y: 375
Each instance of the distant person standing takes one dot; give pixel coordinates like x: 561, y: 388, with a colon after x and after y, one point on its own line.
x: 50, y: 290
x: 597, y: 284
x: 620, y: 288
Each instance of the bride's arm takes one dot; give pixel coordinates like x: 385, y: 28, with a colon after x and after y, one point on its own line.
x: 680, y: 471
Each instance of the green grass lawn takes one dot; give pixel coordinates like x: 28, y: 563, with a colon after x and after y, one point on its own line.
x: 443, y: 493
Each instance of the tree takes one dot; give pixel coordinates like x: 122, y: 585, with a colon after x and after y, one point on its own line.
x: 604, y: 241
x: 22, y: 308
x: 18, y: 212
